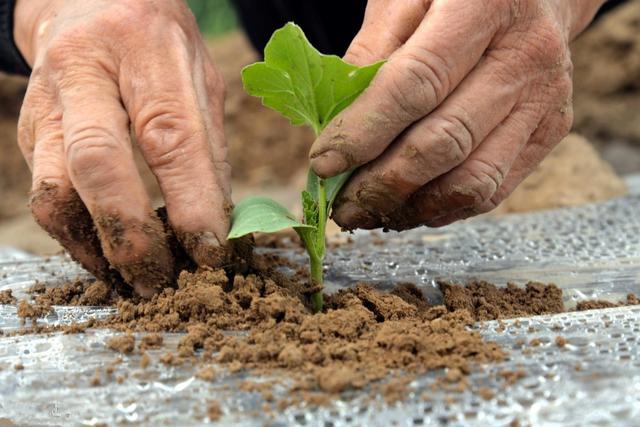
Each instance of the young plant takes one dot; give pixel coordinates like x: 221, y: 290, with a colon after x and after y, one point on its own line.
x: 309, y: 88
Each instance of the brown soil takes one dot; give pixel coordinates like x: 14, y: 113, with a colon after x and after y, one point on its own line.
x: 6, y: 297
x: 631, y: 299
x: 487, y: 302
x: 123, y: 343
x: 363, y: 335
x: 78, y: 292
x: 213, y: 411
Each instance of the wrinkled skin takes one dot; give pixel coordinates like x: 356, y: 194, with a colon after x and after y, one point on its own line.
x: 472, y: 98
x: 99, y: 67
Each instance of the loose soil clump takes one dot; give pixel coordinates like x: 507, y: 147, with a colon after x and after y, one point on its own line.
x: 631, y: 299
x: 486, y: 301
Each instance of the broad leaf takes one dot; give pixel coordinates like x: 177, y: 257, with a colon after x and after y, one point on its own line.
x: 303, y: 84
x: 261, y: 214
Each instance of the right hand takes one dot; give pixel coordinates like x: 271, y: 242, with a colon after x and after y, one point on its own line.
x: 98, y: 67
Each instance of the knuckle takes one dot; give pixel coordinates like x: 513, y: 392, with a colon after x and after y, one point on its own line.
x: 419, y: 81
x: 547, y: 45
x: 456, y: 139
x: 88, y: 147
x: 165, y: 135
x: 484, y: 178
x: 360, y: 52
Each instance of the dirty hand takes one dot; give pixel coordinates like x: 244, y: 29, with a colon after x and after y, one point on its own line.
x: 473, y: 96
x: 100, y: 67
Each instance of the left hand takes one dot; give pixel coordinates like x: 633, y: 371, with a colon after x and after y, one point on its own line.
x: 472, y: 98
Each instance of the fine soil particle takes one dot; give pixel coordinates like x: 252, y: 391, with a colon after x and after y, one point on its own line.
x: 122, y: 343
x: 145, y: 361
x: 213, y: 410
x: 561, y: 341
x: 486, y: 393
x: 486, y: 301
x: 151, y: 341
x: 32, y: 311
x: 6, y: 297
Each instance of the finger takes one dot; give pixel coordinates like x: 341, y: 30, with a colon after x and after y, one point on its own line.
x: 432, y: 146
x: 177, y: 111
x: 54, y: 203
x: 101, y: 167
x: 387, y: 25
x: 548, y: 134
x: 417, y: 78
x: 476, y: 180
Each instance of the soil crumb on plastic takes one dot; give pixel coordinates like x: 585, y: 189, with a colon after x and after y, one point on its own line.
x: 122, y: 343
x: 6, y: 297
x: 32, y: 311
x: 631, y: 299
x: 213, y: 410
x: 77, y: 292
x: 561, y: 341
x: 486, y: 301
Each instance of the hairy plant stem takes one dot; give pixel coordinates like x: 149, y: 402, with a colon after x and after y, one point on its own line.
x: 316, y: 257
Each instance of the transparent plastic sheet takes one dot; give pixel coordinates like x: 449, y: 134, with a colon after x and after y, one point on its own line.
x: 590, y: 252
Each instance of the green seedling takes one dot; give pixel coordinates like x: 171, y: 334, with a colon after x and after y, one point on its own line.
x: 308, y: 88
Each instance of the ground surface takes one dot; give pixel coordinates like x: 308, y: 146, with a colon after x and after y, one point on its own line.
x: 607, y: 99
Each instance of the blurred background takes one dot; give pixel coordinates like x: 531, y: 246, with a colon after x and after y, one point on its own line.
x: 268, y: 156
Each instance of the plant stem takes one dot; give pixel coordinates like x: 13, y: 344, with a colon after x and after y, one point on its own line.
x: 317, y: 259
x: 316, y: 277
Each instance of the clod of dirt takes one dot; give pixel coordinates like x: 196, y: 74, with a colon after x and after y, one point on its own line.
x: 631, y: 299
x: 32, y: 311
x: 486, y: 301
x: 6, y: 297
x: 77, y: 292
x: 150, y: 341
x: 123, y: 343
x: 145, y: 361
x: 561, y: 341
x: 213, y: 410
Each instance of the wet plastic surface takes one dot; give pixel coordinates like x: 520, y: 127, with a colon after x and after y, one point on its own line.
x: 591, y: 252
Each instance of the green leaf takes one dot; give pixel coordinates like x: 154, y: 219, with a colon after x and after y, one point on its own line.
x: 261, y: 214
x: 303, y: 84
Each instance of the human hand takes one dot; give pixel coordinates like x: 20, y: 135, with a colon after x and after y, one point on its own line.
x: 98, y: 67
x: 473, y: 96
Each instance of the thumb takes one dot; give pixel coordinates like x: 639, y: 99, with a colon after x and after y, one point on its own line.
x: 387, y: 25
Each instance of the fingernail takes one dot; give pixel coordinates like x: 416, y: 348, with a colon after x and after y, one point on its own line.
x: 351, y: 216
x: 330, y: 163
x: 205, y: 248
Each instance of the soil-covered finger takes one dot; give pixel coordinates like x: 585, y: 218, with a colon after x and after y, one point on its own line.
x: 177, y: 113
x: 473, y: 187
x: 138, y: 250
x: 100, y: 164
x: 60, y: 211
